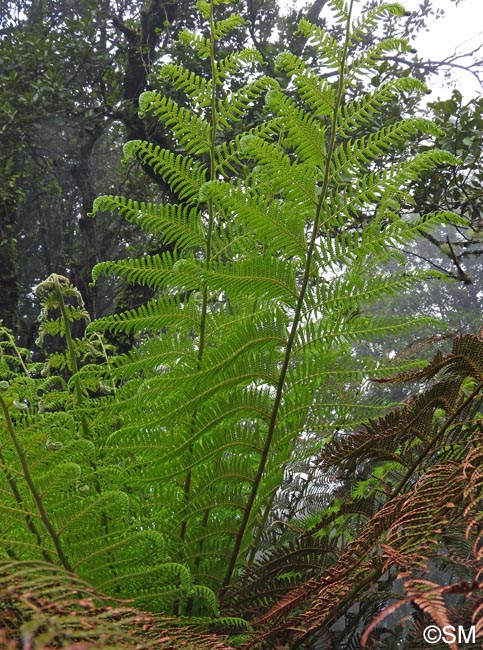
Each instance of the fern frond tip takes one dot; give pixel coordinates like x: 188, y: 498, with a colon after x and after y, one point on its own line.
x: 396, y: 9
x: 129, y: 150
x: 144, y: 102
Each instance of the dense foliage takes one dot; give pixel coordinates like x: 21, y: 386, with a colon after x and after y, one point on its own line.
x: 230, y: 475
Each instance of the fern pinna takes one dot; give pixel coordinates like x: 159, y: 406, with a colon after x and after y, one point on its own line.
x: 245, y: 350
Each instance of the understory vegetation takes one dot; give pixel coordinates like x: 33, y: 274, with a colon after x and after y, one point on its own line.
x: 229, y: 465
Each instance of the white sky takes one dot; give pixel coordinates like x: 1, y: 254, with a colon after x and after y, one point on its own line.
x: 460, y: 30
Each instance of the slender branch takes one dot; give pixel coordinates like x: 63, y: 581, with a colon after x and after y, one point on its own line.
x: 425, y: 259
x: 462, y: 275
x: 433, y: 66
x: 129, y: 33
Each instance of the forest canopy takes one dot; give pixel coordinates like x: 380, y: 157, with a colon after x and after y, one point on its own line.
x: 241, y: 365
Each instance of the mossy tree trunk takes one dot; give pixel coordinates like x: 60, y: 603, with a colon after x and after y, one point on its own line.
x: 9, y: 286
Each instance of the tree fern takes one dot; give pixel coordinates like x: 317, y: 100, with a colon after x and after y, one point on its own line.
x: 266, y: 285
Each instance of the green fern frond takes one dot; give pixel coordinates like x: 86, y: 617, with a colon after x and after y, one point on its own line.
x: 318, y: 94
x: 303, y: 130
x: 370, y: 289
x: 329, y: 52
x: 152, y: 316
x: 196, y: 42
x: 233, y: 107
x: 357, y: 155
x: 154, y: 271
x: 356, y: 328
x: 191, y: 131
x: 274, y: 280
x: 427, y: 160
x: 294, y: 181
x: 278, y: 228
x: 224, y: 27
x: 197, y: 88
x: 172, y: 224
x: 236, y: 62
x: 184, y: 175
x: 154, y: 354
x: 366, y: 61
x: 368, y: 20
x: 362, y: 111
x: 272, y: 299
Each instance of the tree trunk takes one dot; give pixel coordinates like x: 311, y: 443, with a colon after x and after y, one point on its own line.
x: 83, y: 176
x: 9, y: 278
